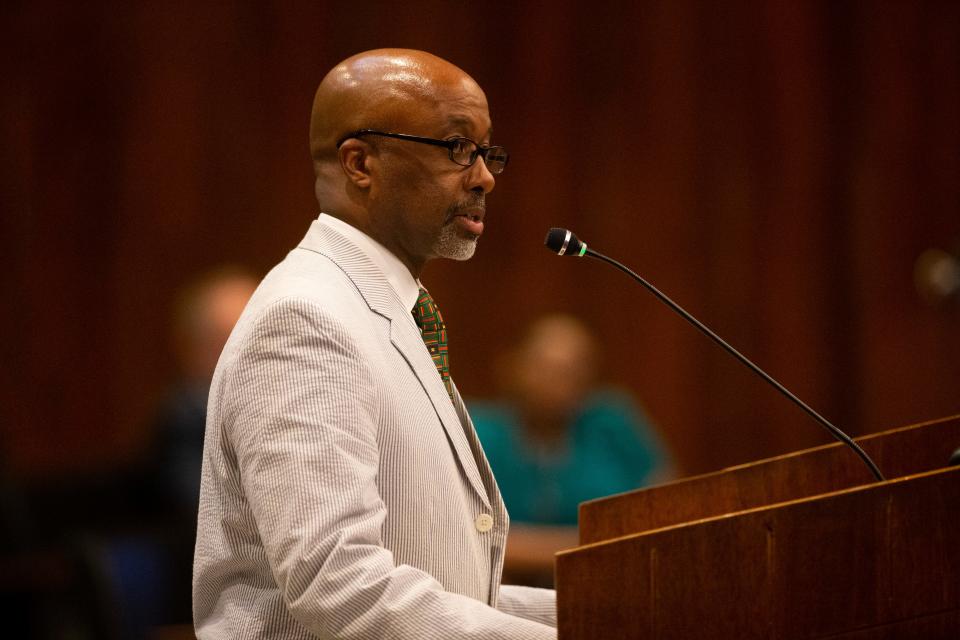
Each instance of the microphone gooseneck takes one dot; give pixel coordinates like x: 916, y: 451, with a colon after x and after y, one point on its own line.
x: 565, y: 242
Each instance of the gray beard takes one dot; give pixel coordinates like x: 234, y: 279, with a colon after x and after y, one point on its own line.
x: 452, y: 245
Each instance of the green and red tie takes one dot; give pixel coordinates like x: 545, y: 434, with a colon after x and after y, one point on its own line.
x: 434, y: 333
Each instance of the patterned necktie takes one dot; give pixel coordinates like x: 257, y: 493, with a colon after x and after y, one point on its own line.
x: 434, y: 333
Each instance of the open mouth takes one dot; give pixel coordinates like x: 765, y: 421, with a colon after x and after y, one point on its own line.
x: 471, y: 222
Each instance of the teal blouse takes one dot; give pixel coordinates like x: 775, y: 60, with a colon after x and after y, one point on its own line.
x: 610, y: 448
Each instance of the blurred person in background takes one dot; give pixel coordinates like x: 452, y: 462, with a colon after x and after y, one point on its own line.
x: 108, y: 554
x: 204, y: 313
x: 556, y: 439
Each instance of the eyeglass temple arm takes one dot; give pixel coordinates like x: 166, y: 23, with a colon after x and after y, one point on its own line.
x: 447, y: 144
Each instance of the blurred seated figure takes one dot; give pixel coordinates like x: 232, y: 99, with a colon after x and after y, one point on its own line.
x: 108, y: 553
x: 556, y: 439
x: 204, y: 315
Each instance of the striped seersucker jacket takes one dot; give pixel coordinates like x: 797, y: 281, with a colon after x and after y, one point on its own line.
x: 343, y: 494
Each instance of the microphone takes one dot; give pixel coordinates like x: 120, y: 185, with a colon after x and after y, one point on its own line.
x: 565, y: 242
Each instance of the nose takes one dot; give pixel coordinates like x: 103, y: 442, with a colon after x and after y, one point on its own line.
x: 480, y: 178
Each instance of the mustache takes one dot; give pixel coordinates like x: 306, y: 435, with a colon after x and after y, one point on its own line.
x: 473, y: 202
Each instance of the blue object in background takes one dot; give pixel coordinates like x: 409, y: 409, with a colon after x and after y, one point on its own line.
x: 609, y: 447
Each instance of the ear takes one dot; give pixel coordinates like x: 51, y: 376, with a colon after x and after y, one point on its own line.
x: 354, y: 156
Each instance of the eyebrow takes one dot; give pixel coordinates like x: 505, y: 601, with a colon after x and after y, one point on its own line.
x: 466, y: 122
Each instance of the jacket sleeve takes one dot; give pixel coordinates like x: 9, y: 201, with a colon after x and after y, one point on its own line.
x: 303, y: 424
x: 539, y: 605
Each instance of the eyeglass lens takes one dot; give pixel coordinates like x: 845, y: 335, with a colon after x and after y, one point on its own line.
x: 465, y: 153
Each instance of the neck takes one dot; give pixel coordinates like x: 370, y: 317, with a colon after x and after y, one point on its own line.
x: 361, y: 221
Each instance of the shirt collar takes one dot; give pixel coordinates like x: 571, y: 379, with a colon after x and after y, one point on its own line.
x: 403, y: 283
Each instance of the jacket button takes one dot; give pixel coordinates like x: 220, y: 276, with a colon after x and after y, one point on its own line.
x: 484, y: 522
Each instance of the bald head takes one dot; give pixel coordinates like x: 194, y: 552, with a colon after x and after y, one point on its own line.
x: 380, y: 89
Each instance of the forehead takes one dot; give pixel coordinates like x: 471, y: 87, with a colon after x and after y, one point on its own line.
x: 462, y: 106
x: 427, y: 96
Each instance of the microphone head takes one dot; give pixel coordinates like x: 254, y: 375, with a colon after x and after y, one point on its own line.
x: 563, y: 242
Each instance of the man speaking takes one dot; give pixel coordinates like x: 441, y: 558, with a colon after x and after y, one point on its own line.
x: 344, y: 491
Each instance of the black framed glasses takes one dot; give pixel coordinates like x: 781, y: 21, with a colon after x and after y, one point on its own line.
x: 463, y: 151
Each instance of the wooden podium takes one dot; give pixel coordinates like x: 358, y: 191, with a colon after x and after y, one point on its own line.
x: 805, y: 545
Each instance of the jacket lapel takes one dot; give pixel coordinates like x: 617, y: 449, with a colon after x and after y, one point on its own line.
x: 486, y: 473
x: 382, y: 299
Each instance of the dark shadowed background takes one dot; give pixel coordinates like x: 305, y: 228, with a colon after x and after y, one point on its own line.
x: 776, y: 167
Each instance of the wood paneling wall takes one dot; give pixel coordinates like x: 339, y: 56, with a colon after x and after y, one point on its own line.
x: 776, y: 167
